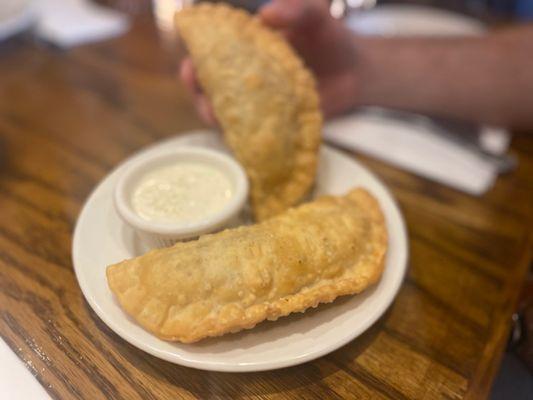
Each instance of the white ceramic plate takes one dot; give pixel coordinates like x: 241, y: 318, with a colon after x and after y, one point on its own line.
x: 101, y: 238
x: 15, y: 16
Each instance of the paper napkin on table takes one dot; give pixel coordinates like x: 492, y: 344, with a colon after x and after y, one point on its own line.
x: 417, y: 149
x: 68, y: 23
x: 16, y: 380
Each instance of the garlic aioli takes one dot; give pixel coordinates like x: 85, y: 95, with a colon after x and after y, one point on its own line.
x: 183, y: 192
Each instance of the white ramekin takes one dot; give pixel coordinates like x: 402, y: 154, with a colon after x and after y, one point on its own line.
x: 156, y: 234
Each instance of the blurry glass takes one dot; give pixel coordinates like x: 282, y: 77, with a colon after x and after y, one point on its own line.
x: 339, y: 8
x: 164, y: 11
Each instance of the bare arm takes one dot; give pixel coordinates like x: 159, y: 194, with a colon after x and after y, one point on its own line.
x: 487, y: 79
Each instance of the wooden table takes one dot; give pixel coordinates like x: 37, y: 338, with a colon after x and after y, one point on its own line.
x: 66, y: 118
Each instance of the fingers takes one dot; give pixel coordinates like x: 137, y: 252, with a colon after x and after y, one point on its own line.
x: 291, y: 14
x: 204, y: 109
x: 188, y: 76
x: 201, y: 102
x: 281, y: 14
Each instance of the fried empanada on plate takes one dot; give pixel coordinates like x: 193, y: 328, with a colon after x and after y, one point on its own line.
x: 263, y: 97
x: 232, y: 280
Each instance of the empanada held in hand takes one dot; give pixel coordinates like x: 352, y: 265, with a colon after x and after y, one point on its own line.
x: 232, y: 280
x: 263, y: 97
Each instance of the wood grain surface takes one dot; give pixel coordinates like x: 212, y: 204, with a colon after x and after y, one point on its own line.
x: 66, y: 118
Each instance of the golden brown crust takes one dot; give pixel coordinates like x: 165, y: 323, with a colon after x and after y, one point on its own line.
x: 234, y: 279
x: 264, y: 98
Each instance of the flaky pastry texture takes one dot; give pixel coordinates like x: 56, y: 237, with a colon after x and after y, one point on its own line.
x: 263, y: 97
x: 232, y: 280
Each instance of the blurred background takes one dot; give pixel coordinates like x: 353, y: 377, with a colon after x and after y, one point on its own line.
x: 505, y: 9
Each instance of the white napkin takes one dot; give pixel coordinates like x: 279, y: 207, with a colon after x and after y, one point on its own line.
x: 68, y: 23
x: 17, y: 382
x: 417, y: 149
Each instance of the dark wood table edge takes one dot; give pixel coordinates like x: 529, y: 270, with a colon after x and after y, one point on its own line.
x: 482, y: 381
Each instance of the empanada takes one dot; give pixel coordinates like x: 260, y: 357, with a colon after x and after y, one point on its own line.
x: 263, y: 97
x: 234, y: 279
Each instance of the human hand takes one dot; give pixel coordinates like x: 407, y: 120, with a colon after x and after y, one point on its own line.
x: 325, y: 44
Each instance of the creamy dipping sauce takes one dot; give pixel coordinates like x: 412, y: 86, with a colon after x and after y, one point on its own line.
x: 183, y: 192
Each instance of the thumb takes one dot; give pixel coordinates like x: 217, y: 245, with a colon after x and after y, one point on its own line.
x: 290, y: 14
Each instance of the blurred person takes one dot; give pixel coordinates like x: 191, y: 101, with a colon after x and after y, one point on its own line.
x: 486, y: 79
